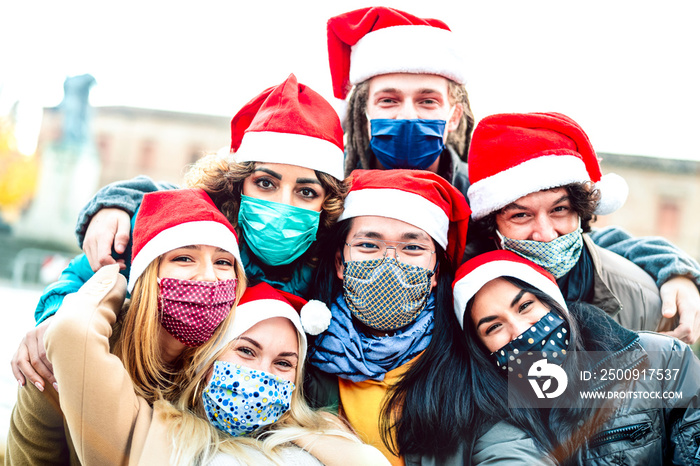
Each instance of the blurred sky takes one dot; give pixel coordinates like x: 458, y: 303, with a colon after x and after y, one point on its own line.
x: 627, y: 71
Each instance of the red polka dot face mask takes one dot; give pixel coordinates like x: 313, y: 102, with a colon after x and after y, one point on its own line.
x: 191, y: 310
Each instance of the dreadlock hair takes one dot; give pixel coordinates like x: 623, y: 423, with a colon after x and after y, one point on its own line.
x: 357, y: 151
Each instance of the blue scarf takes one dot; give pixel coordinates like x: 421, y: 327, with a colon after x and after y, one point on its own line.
x: 343, y: 351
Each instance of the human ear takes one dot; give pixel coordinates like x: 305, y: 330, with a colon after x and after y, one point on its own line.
x: 455, y: 118
x: 339, y: 267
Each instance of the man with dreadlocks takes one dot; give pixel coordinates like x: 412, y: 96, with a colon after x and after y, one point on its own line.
x: 407, y: 105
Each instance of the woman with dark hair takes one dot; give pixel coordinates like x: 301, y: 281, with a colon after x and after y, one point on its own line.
x: 513, y: 315
x: 386, y: 278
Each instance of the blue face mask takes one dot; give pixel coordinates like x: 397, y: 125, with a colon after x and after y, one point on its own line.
x: 412, y: 144
x: 277, y: 233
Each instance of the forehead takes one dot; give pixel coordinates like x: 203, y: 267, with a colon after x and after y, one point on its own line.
x: 385, y: 228
x: 495, y: 295
x: 542, y: 197
x: 408, y: 83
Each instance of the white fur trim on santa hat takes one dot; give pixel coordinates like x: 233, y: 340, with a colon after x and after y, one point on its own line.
x: 185, y: 234
x: 407, y: 49
x: 292, y: 149
x: 545, y: 172
x: 613, y: 193
x: 468, y: 286
x: 250, y: 313
x: 315, y: 317
x: 400, y: 205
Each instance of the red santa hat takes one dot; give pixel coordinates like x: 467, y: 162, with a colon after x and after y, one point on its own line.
x: 477, y: 272
x: 169, y: 220
x: 262, y: 302
x: 420, y: 198
x: 291, y: 124
x: 380, y: 40
x: 514, y: 154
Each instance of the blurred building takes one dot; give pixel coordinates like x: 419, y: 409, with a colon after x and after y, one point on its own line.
x: 664, y: 198
x: 136, y: 141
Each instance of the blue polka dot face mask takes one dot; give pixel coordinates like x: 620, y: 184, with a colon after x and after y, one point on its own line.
x: 239, y: 400
x: 549, y: 336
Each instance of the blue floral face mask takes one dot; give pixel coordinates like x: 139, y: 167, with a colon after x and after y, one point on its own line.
x: 239, y: 400
x: 277, y: 233
x: 557, y: 256
x: 412, y: 144
x: 549, y: 336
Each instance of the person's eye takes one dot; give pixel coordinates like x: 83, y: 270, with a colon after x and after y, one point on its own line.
x: 561, y: 208
x: 415, y: 247
x: 264, y: 183
x: 285, y: 364
x: 430, y: 102
x: 491, y: 328
x: 387, y: 101
x: 182, y: 259
x: 308, y: 193
x: 224, y: 262
x: 366, y: 245
x: 246, y: 351
x: 525, y: 306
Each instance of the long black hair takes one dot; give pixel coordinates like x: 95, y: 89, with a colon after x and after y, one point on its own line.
x: 455, y: 392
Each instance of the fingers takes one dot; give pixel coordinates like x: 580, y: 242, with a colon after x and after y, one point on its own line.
x: 668, y: 293
x: 108, y: 228
x: 121, y: 239
x: 20, y: 355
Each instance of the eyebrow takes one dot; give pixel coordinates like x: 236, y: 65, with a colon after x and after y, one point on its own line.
x: 199, y: 246
x: 269, y: 172
x: 257, y: 345
x: 515, y: 205
x: 488, y: 319
x: 308, y: 180
x: 424, y: 90
x: 409, y: 235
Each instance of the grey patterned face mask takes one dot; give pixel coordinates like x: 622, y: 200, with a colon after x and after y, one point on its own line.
x: 557, y: 256
x: 386, y: 294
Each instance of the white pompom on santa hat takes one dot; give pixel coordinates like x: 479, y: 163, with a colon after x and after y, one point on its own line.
x: 291, y: 124
x: 477, y: 272
x: 262, y: 302
x: 514, y: 154
x: 173, y: 219
x: 379, y: 40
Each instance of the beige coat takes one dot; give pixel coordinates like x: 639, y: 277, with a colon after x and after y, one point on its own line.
x: 109, y: 424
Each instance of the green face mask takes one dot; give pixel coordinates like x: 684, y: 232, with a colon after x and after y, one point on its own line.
x: 277, y: 233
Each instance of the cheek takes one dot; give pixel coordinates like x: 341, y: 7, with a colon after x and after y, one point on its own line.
x: 567, y: 224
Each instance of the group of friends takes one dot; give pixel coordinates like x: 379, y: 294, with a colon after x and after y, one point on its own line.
x: 360, y: 293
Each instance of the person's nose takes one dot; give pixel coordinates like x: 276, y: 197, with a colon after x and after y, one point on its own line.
x: 518, y: 327
x: 287, y: 196
x: 543, y: 230
x: 206, y: 272
x: 407, y: 111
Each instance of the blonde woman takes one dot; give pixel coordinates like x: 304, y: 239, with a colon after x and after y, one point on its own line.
x: 244, y: 406
x: 186, y: 278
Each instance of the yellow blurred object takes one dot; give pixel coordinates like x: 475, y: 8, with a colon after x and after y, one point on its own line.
x: 18, y: 175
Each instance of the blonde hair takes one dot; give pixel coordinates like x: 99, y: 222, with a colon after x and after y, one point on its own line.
x: 223, y: 179
x: 138, y: 343
x: 194, y: 440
